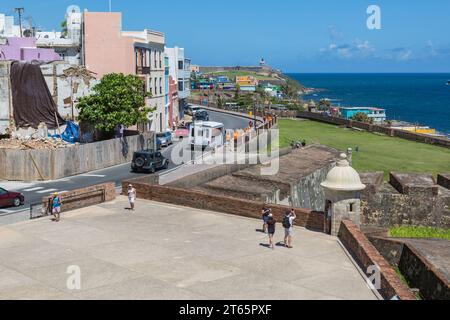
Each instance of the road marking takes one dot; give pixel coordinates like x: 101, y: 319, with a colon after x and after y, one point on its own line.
x: 7, y: 211
x: 93, y: 175
x: 33, y: 189
x: 47, y: 191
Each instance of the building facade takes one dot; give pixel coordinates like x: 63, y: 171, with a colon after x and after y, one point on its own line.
x: 67, y: 45
x: 247, y: 83
x: 24, y: 49
x: 180, y: 70
x: 109, y: 49
x: 7, y: 27
x: 376, y: 114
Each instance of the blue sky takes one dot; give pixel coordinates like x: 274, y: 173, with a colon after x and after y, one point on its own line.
x: 293, y: 35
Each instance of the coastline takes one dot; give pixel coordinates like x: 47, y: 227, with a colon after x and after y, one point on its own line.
x: 407, y: 98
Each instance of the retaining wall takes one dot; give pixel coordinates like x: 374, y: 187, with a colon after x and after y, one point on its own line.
x: 415, y: 267
x: 84, y: 197
x: 38, y: 165
x: 443, y: 142
x: 366, y: 255
x: 224, y: 204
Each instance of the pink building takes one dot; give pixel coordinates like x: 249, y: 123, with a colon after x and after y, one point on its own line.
x: 105, y: 49
x: 24, y: 49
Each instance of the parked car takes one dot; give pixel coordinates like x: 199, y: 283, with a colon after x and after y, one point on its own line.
x: 148, y: 161
x: 201, y: 115
x: 191, y: 109
x: 164, y: 139
x: 11, y: 198
x: 182, y: 132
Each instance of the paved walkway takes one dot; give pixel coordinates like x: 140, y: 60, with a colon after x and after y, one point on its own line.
x: 169, y: 252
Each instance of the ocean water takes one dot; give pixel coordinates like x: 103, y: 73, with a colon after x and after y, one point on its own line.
x: 416, y: 98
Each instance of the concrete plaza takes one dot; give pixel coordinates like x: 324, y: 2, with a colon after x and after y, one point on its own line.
x: 169, y: 252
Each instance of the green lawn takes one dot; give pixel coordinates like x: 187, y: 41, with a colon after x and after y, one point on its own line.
x: 419, y: 232
x: 376, y: 152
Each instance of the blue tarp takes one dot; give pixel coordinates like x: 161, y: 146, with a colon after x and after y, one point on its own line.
x: 71, y: 134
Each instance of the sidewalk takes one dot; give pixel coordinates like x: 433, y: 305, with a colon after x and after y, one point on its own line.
x: 169, y: 252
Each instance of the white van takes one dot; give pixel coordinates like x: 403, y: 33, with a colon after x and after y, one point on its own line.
x: 207, y: 134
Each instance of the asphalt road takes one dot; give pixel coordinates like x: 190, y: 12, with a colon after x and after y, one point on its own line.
x: 34, y: 192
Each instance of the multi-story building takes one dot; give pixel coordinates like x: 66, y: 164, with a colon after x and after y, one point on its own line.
x: 7, y: 27
x: 24, y: 49
x: 376, y: 114
x: 180, y: 70
x: 150, y: 65
x: 108, y: 49
x: 68, y: 44
x: 247, y: 83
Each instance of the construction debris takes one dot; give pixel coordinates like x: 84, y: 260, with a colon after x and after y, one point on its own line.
x: 34, y: 144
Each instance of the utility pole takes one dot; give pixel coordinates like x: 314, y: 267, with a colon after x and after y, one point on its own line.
x: 20, y: 12
x: 110, y: 6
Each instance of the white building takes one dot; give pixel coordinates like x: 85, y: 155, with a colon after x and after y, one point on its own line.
x: 7, y: 27
x: 67, y: 46
x: 150, y: 66
x: 180, y: 70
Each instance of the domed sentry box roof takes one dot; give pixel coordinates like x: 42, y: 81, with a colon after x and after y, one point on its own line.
x: 343, y: 177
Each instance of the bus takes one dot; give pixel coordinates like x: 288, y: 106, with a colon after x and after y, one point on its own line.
x: 207, y: 134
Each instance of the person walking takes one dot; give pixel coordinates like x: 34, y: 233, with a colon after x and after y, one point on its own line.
x: 265, y: 216
x: 288, y: 224
x: 56, y: 207
x: 131, y: 196
x: 271, y: 225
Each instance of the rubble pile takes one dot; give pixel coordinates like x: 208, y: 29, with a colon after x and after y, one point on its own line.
x: 33, y: 144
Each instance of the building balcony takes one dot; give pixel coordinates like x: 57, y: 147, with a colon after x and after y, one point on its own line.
x: 143, y: 70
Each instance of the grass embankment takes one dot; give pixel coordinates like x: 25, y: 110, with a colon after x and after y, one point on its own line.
x: 376, y: 152
x: 419, y: 232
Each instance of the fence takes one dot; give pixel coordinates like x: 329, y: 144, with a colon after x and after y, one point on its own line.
x: 37, y: 165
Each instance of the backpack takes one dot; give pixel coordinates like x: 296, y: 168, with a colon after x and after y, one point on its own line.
x: 287, y: 222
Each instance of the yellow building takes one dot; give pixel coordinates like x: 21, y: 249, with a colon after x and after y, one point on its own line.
x: 246, y: 81
x: 423, y: 130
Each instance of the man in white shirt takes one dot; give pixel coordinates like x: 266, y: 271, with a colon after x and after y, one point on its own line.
x: 288, y: 224
x: 131, y: 196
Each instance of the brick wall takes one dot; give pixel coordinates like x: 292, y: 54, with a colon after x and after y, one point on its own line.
x: 84, y: 197
x: 229, y: 205
x: 366, y: 255
x: 422, y: 274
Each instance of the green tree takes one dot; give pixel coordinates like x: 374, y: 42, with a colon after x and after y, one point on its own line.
x: 117, y: 99
x: 291, y: 89
x: 64, y: 30
x: 362, y: 117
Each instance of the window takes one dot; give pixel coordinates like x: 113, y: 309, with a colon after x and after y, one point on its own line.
x: 352, y: 207
x: 156, y: 85
x: 180, y: 65
x: 150, y: 86
x: 180, y: 85
x: 160, y: 60
x: 160, y: 85
x: 3, y: 192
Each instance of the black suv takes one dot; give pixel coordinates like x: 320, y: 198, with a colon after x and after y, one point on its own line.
x: 201, y: 115
x: 148, y: 161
